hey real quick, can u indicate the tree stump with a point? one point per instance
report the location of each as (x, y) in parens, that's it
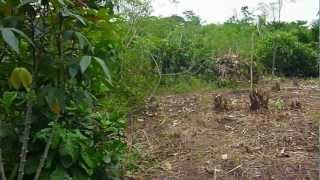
(220, 103)
(259, 100)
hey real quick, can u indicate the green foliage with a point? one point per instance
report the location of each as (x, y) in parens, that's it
(293, 58)
(52, 71)
(278, 104)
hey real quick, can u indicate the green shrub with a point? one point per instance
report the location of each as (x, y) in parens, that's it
(293, 58)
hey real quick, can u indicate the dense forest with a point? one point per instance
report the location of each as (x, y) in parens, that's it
(74, 73)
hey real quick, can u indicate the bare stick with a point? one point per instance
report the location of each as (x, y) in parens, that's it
(43, 157)
(160, 77)
(274, 54)
(25, 140)
(251, 62)
(234, 169)
(45, 153)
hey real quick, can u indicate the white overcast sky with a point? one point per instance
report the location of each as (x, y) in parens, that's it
(218, 11)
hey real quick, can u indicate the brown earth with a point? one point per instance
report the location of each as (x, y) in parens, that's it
(182, 137)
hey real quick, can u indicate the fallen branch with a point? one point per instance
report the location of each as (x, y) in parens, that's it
(234, 169)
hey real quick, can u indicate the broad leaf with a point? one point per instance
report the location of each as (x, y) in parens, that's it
(84, 63)
(14, 79)
(55, 99)
(9, 37)
(83, 41)
(104, 68)
(67, 13)
(22, 35)
(73, 71)
(25, 78)
(21, 76)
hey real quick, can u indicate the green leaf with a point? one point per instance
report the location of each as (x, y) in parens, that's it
(79, 18)
(86, 158)
(22, 35)
(58, 174)
(83, 41)
(88, 170)
(67, 13)
(84, 63)
(25, 2)
(9, 37)
(78, 175)
(7, 100)
(73, 71)
(25, 78)
(20, 76)
(61, 2)
(104, 68)
(14, 79)
(68, 153)
(55, 98)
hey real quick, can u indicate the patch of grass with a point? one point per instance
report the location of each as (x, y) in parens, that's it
(278, 104)
(190, 84)
(315, 117)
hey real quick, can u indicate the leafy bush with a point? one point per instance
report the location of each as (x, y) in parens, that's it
(49, 106)
(293, 58)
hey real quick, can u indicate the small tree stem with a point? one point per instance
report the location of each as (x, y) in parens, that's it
(45, 153)
(25, 140)
(251, 61)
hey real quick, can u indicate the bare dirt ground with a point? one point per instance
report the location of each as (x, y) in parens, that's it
(182, 137)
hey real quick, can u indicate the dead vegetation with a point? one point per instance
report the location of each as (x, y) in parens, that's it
(295, 82)
(259, 100)
(220, 103)
(295, 105)
(276, 87)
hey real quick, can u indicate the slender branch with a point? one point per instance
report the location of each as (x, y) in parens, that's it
(160, 77)
(45, 153)
(2, 53)
(25, 140)
(27, 123)
(274, 54)
(251, 61)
